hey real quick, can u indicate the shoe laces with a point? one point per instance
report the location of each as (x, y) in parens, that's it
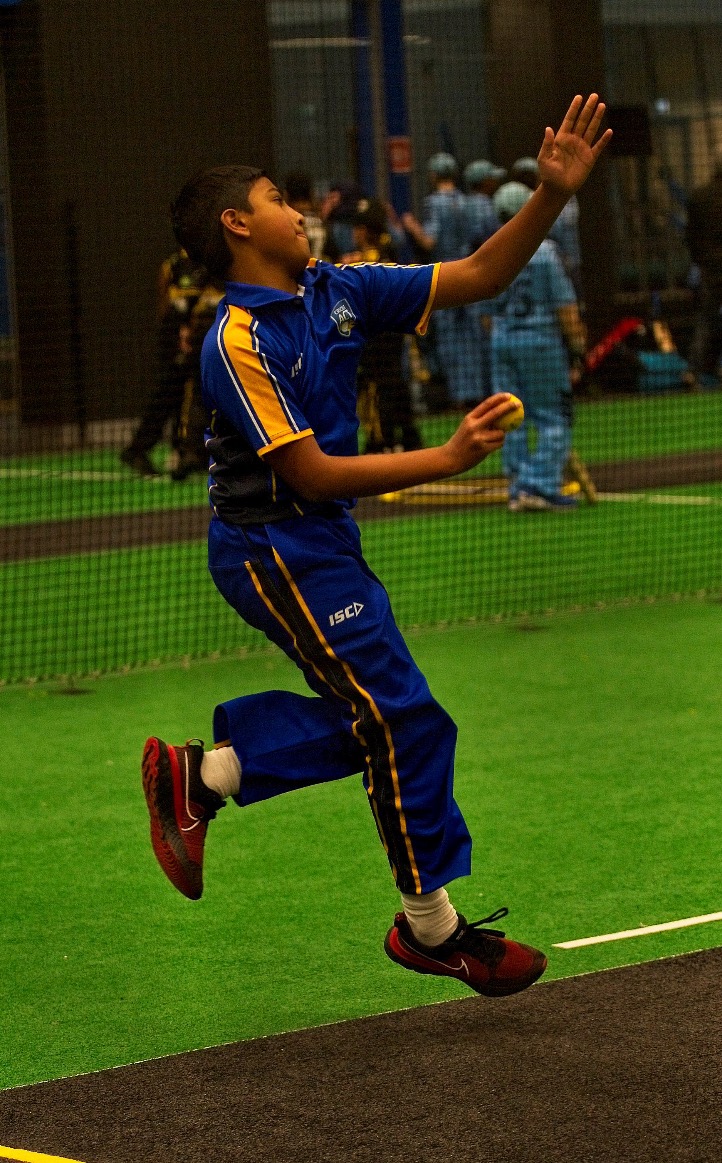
(473, 938)
(496, 916)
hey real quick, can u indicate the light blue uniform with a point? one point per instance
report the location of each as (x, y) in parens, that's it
(456, 330)
(529, 359)
(481, 217)
(482, 223)
(565, 233)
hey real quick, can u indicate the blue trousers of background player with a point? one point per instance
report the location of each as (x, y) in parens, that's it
(458, 338)
(477, 312)
(536, 370)
(305, 584)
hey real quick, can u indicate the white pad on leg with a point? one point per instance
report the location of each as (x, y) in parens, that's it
(431, 915)
(221, 771)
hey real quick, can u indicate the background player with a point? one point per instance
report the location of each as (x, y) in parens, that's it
(482, 181)
(445, 235)
(181, 282)
(565, 231)
(384, 396)
(536, 324)
(279, 371)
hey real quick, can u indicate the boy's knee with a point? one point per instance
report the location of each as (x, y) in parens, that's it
(429, 718)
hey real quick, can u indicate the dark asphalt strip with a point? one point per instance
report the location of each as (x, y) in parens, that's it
(616, 1067)
(43, 539)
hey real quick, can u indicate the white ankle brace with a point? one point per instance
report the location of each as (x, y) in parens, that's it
(221, 771)
(432, 916)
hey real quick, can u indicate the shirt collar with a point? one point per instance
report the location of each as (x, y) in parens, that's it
(250, 295)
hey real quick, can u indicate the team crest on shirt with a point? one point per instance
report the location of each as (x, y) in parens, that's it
(343, 317)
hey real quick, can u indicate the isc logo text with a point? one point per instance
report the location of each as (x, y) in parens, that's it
(351, 611)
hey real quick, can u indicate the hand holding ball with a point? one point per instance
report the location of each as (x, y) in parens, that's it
(513, 418)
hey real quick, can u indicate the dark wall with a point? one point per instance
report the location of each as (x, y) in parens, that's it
(521, 83)
(542, 53)
(42, 305)
(110, 108)
(580, 68)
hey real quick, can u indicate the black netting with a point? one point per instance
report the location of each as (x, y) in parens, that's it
(395, 129)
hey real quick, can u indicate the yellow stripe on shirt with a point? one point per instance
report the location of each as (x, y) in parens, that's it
(424, 320)
(258, 387)
(285, 439)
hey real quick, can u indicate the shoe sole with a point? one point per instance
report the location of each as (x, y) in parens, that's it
(538, 966)
(163, 795)
(541, 505)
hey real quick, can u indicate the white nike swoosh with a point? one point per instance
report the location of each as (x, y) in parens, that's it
(189, 813)
(463, 968)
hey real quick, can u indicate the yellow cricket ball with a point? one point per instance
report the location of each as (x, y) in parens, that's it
(513, 419)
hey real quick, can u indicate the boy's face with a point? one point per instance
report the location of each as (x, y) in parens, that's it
(275, 229)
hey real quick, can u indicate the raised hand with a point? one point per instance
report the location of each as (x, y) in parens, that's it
(567, 157)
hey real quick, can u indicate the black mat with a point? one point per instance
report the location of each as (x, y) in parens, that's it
(624, 1066)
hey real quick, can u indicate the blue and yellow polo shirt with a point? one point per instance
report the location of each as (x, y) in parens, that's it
(277, 367)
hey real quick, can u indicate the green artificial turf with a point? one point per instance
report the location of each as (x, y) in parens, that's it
(105, 611)
(622, 429)
(89, 483)
(588, 770)
(93, 483)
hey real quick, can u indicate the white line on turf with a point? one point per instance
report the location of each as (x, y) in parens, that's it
(70, 474)
(704, 920)
(660, 498)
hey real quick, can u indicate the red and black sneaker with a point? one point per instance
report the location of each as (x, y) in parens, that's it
(180, 807)
(483, 959)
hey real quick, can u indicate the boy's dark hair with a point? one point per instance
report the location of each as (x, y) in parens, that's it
(196, 213)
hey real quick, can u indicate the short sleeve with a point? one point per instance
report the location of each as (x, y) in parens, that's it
(397, 298)
(251, 387)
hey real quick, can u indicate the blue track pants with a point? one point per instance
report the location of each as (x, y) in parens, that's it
(305, 584)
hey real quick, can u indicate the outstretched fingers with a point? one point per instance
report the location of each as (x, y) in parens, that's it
(570, 120)
(584, 119)
(593, 127)
(587, 114)
(603, 142)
